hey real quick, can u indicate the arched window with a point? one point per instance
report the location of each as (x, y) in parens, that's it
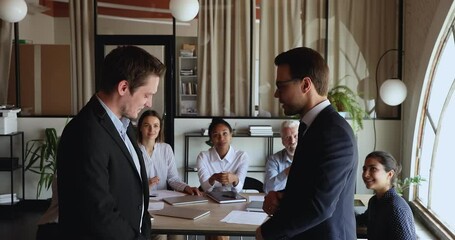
(435, 161)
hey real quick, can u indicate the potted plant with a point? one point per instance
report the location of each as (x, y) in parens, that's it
(41, 158)
(343, 99)
(407, 182)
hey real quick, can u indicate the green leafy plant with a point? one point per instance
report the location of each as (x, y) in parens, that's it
(407, 182)
(41, 158)
(343, 99)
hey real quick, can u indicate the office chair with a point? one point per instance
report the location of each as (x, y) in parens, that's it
(253, 184)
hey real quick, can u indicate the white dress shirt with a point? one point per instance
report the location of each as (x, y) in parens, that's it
(162, 164)
(209, 162)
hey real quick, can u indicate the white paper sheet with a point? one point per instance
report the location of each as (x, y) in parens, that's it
(160, 194)
(244, 217)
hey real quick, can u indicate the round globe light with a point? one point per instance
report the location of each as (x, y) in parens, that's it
(393, 92)
(13, 10)
(184, 10)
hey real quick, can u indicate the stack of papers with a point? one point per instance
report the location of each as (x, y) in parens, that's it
(260, 130)
(5, 199)
(158, 195)
(243, 217)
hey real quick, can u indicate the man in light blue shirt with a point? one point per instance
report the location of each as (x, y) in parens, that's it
(277, 166)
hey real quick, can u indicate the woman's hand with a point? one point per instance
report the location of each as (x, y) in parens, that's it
(154, 181)
(192, 191)
(224, 178)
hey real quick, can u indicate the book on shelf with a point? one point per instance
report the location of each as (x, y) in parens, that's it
(260, 127)
(186, 72)
(5, 199)
(189, 88)
(261, 133)
(7, 196)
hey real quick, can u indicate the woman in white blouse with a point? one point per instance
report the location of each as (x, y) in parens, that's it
(222, 167)
(159, 156)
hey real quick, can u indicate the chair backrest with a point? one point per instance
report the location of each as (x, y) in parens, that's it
(253, 184)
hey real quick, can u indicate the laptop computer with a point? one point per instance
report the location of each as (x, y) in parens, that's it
(186, 199)
(181, 212)
(226, 197)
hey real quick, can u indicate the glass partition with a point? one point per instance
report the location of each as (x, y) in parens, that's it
(224, 57)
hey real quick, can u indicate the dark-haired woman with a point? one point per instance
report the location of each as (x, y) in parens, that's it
(222, 167)
(388, 215)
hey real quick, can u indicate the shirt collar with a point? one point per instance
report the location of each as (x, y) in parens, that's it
(120, 124)
(229, 155)
(309, 117)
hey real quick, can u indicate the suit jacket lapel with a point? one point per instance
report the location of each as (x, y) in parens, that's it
(145, 184)
(106, 122)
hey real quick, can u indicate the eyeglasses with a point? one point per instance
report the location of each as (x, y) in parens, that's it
(281, 84)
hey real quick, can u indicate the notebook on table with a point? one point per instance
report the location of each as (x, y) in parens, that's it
(226, 197)
(186, 199)
(181, 212)
(255, 206)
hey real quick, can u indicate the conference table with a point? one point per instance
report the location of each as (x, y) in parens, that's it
(211, 224)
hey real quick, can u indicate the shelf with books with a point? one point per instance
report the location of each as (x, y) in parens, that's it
(188, 85)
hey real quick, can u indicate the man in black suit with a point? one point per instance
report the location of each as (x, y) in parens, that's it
(102, 182)
(318, 200)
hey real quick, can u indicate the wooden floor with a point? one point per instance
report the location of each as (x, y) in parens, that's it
(19, 223)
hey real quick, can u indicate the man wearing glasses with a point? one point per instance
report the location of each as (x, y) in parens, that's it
(317, 201)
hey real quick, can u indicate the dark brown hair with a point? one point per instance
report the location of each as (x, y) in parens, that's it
(150, 113)
(306, 62)
(129, 63)
(388, 161)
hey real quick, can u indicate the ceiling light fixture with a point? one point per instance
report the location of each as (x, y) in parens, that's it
(184, 10)
(13, 10)
(392, 91)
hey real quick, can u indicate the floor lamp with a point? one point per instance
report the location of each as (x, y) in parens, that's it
(14, 11)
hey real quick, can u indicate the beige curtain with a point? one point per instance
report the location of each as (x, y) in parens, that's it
(224, 50)
(82, 50)
(359, 33)
(285, 25)
(6, 39)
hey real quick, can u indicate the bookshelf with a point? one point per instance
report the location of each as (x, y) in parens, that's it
(187, 73)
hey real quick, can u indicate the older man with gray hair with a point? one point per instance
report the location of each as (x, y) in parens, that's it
(278, 164)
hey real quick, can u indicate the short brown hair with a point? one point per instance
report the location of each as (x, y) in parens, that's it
(306, 62)
(129, 63)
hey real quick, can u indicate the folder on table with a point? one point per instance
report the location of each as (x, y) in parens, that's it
(186, 199)
(226, 197)
(255, 206)
(181, 212)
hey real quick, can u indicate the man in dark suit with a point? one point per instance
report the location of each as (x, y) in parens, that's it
(102, 183)
(318, 200)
